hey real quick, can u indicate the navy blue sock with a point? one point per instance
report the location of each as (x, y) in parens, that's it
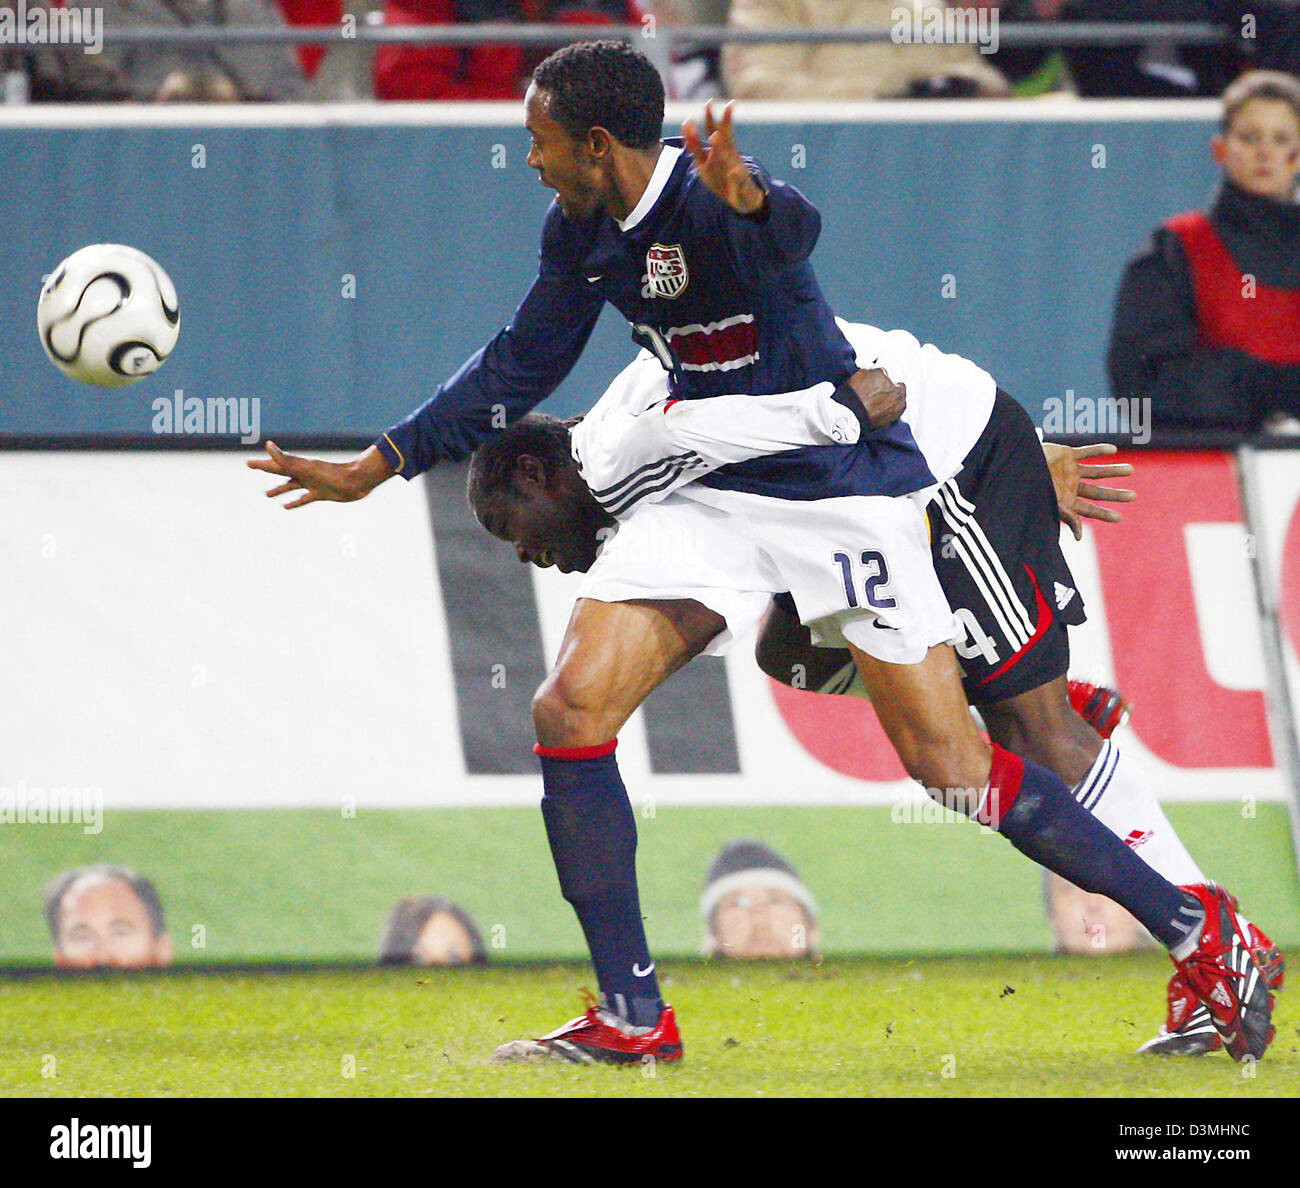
(1034, 810)
(592, 831)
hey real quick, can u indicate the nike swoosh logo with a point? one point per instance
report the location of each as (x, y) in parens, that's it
(643, 973)
(591, 280)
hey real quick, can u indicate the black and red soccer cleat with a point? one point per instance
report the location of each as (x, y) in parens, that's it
(1101, 707)
(1226, 980)
(1188, 1029)
(602, 1037)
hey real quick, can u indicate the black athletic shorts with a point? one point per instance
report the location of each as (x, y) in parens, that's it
(995, 536)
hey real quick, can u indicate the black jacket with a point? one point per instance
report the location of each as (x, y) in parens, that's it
(1154, 349)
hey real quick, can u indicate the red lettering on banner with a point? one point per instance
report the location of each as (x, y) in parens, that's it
(841, 732)
(1180, 712)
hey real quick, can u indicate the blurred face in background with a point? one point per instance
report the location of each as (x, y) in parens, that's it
(758, 921)
(1260, 151)
(1090, 924)
(103, 923)
(442, 941)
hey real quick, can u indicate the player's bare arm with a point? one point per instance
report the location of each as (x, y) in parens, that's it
(1074, 489)
(720, 164)
(318, 480)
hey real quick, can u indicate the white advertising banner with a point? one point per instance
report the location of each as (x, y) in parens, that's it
(175, 639)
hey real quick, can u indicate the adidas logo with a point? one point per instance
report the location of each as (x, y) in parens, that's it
(1063, 595)
(1137, 837)
(1220, 995)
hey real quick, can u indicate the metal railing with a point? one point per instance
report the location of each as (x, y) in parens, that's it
(658, 39)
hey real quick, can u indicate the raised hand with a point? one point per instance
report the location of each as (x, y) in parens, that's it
(334, 482)
(1072, 491)
(719, 162)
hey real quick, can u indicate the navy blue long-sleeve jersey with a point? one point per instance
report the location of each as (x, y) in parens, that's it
(728, 303)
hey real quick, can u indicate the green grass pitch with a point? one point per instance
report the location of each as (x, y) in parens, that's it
(906, 1027)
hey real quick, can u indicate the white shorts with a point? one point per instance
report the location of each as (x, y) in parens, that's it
(858, 568)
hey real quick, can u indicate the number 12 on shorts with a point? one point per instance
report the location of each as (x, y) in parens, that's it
(873, 561)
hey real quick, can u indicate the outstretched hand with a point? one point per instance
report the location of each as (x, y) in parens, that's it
(719, 163)
(335, 482)
(1073, 491)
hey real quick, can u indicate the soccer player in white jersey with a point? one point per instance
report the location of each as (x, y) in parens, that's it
(994, 544)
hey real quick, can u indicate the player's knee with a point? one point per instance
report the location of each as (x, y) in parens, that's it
(552, 713)
(955, 777)
(561, 719)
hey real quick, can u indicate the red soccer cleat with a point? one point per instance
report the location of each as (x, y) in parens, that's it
(1101, 707)
(1188, 1029)
(602, 1037)
(1223, 975)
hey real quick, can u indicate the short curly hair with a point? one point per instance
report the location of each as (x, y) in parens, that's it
(607, 84)
(492, 465)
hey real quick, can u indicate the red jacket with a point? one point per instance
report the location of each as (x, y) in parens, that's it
(312, 12)
(478, 71)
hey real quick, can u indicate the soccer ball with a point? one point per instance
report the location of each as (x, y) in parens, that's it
(108, 315)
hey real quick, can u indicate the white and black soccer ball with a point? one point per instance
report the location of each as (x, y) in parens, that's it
(108, 315)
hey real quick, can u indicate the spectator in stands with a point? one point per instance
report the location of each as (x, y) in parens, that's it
(1276, 44)
(755, 905)
(1207, 320)
(1089, 924)
(170, 72)
(846, 70)
(697, 69)
(478, 71)
(1159, 70)
(106, 917)
(196, 84)
(430, 930)
(308, 13)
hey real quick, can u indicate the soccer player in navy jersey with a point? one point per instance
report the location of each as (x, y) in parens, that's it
(707, 256)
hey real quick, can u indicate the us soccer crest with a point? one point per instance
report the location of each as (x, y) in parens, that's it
(665, 271)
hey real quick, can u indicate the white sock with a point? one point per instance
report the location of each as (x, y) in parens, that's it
(1117, 792)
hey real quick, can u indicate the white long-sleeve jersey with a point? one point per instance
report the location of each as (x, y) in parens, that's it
(637, 446)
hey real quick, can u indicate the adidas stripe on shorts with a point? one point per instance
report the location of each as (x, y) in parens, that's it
(996, 544)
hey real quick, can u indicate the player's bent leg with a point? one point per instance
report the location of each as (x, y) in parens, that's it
(784, 651)
(613, 655)
(924, 713)
(922, 710)
(1041, 725)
